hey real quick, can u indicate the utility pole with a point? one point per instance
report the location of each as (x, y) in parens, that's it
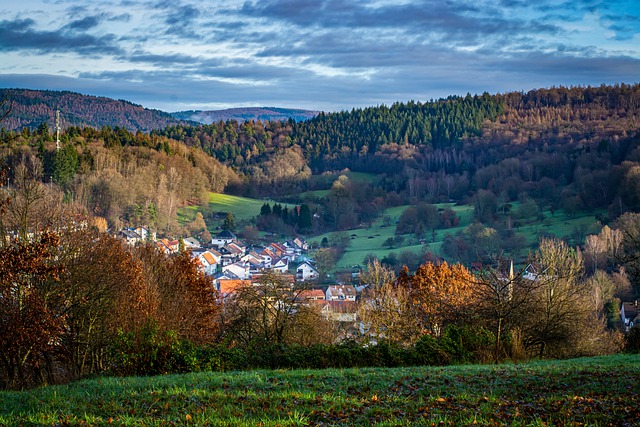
(57, 129)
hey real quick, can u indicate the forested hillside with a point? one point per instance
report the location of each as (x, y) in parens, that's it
(31, 108)
(512, 156)
(571, 148)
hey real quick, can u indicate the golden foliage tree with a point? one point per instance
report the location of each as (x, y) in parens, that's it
(441, 294)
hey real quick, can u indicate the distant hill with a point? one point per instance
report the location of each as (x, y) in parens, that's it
(31, 108)
(243, 114)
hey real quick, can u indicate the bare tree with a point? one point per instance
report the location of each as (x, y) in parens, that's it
(503, 295)
(263, 312)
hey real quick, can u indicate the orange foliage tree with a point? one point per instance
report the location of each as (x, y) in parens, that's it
(441, 294)
(29, 310)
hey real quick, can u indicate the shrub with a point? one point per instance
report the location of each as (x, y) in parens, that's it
(151, 352)
(633, 340)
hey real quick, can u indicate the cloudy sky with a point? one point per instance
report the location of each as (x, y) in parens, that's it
(316, 54)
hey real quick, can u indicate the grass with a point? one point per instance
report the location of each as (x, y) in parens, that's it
(243, 208)
(598, 391)
(364, 241)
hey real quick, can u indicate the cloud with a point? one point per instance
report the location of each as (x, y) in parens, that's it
(20, 34)
(327, 54)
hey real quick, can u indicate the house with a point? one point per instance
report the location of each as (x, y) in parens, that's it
(339, 311)
(252, 257)
(311, 295)
(301, 244)
(629, 314)
(235, 249)
(146, 234)
(228, 287)
(306, 271)
(239, 269)
(191, 242)
(340, 293)
(162, 247)
(209, 263)
(281, 265)
(130, 236)
(229, 255)
(278, 249)
(267, 257)
(223, 238)
(239, 246)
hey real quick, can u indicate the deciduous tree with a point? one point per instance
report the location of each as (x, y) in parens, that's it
(442, 294)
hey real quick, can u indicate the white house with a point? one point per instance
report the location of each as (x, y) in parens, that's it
(208, 262)
(130, 236)
(281, 265)
(223, 238)
(306, 271)
(241, 270)
(146, 234)
(340, 293)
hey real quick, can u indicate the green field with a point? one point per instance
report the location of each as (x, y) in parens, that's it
(369, 240)
(602, 391)
(365, 241)
(243, 208)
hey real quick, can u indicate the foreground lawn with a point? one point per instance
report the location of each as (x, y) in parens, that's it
(601, 391)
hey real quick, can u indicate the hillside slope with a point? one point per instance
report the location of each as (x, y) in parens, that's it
(31, 108)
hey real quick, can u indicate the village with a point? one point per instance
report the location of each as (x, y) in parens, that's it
(233, 264)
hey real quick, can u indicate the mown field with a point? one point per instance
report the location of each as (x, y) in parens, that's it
(602, 391)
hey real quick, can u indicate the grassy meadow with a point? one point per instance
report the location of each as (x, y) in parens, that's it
(601, 391)
(370, 239)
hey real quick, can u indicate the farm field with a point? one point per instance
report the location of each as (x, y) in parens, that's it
(599, 391)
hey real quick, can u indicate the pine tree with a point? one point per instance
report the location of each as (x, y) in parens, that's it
(229, 222)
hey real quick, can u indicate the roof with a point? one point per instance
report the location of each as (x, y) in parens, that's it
(234, 248)
(278, 247)
(208, 256)
(192, 241)
(342, 289)
(225, 234)
(311, 294)
(130, 234)
(229, 286)
(308, 263)
(339, 306)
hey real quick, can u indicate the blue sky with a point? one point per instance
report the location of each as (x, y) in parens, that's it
(316, 54)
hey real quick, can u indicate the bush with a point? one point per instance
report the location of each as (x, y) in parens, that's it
(633, 340)
(151, 352)
(429, 351)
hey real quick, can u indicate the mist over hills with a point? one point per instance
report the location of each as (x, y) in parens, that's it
(246, 114)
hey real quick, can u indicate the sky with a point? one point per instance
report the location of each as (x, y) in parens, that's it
(328, 55)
